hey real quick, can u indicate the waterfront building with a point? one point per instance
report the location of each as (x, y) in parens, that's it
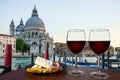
(7, 39)
(87, 51)
(61, 48)
(33, 33)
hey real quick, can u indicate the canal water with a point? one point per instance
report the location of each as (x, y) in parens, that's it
(16, 62)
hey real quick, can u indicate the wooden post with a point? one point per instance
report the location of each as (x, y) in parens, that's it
(8, 57)
(108, 62)
(53, 56)
(32, 58)
(46, 55)
(103, 61)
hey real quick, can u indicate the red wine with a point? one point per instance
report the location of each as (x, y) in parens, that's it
(75, 46)
(99, 47)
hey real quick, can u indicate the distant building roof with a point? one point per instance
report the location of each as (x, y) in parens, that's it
(6, 35)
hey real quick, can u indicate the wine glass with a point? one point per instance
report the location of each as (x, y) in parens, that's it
(99, 41)
(76, 42)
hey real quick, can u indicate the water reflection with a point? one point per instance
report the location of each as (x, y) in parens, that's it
(16, 62)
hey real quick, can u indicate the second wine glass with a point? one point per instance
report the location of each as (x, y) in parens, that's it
(99, 41)
(76, 42)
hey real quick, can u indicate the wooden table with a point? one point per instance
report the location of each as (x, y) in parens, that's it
(21, 74)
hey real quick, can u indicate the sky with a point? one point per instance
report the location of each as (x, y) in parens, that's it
(61, 15)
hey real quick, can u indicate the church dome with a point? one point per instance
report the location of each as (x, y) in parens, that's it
(34, 21)
(20, 27)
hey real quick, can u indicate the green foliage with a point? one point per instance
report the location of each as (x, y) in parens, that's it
(21, 46)
(117, 49)
(25, 47)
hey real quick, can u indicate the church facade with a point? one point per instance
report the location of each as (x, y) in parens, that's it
(33, 33)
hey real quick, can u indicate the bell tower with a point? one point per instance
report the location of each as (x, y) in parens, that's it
(12, 28)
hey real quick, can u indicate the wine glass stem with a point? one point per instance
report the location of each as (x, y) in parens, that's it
(76, 61)
(98, 64)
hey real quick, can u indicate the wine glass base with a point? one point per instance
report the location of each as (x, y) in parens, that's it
(99, 75)
(76, 72)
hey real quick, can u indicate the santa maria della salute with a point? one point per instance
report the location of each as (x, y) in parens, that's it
(33, 33)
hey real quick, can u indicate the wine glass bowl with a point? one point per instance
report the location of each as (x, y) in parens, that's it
(99, 47)
(99, 41)
(76, 41)
(75, 46)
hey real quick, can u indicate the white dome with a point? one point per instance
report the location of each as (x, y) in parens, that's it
(34, 21)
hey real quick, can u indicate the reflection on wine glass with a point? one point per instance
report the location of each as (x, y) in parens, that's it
(99, 41)
(76, 42)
